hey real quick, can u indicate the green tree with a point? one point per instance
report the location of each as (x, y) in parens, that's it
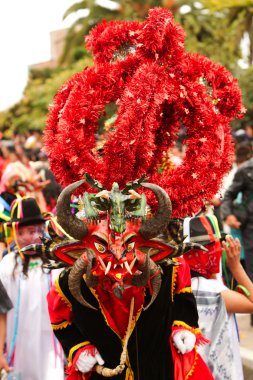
(239, 13)
(210, 30)
(74, 43)
(31, 111)
(245, 82)
(124, 9)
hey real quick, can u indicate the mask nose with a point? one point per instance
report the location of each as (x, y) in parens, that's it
(117, 251)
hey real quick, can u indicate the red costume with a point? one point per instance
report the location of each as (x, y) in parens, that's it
(126, 295)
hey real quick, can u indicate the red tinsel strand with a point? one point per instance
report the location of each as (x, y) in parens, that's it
(157, 87)
(161, 38)
(105, 39)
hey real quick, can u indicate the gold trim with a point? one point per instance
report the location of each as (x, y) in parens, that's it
(190, 373)
(133, 324)
(190, 328)
(93, 291)
(61, 294)
(173, 280)
(61, 325)
(75, 348)
(187, 289)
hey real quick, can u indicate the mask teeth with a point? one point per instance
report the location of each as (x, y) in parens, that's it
(132, 263)
(128, 267)
(102, 263)
(108, 267)
(118, 265)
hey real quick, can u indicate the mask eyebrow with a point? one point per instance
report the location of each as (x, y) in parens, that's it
(101, 237)
(128, 237)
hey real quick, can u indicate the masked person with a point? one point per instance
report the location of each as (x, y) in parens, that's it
(126, 298)
(116, 311)
(31, 349)
(216, 303)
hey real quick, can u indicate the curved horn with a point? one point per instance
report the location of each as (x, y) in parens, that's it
(156, 282)
(150, 271)
(74, 281)
(91, 280)
(142, 279)
(73, 226)
(153, 227)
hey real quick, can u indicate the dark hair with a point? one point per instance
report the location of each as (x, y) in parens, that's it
(25, 263)
(243, 152)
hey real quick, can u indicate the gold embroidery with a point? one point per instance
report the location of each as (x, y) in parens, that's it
(190, 373)
(61, 325)
(61, 294)
(173, 280)
(183, 324)
(187, 289)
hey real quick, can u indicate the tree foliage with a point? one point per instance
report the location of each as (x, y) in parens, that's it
(213, 28)
(31, 111)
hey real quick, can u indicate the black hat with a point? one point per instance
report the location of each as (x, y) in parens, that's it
(25, 212)
(202, 229)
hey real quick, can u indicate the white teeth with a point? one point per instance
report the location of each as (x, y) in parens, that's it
(125, 264)
(132, 263)
(108, 267)
(128, 267)
(102, 262)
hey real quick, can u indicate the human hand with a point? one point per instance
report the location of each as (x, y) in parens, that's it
(215, 202)
(4, 364)
(87, 360)
(232, 248)
(233, 222)
(184, 341)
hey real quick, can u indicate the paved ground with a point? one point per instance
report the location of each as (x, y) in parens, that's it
(246, 344)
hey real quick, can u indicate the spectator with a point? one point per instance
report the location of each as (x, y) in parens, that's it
(249, 132)
(5, 306)
(242, 183)
(31, 348)
(216, 303)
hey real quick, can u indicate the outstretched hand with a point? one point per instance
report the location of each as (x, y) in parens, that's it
(4, 364)
(232, 248)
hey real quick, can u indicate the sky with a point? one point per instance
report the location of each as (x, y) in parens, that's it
(25, 27)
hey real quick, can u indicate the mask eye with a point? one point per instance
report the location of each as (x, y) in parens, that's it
(130, 246)
(101, 248)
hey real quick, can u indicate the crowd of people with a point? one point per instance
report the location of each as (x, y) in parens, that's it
(128, 279)
(28, 200)
(28, 197)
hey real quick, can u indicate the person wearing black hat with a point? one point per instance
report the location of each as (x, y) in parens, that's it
(31, 351)
(215, 302)
(23, 212)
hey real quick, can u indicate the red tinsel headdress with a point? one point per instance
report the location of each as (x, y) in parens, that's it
(143, 68)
